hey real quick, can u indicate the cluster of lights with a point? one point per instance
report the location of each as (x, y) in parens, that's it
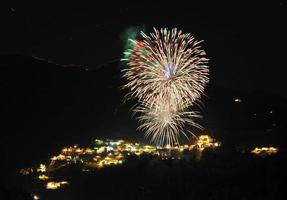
(115, 152)
(43, 177)
(26, 171)
(69, 154)
(108, 153)
(55, 185)
(205, 141)
(42, 168)
(265, 151)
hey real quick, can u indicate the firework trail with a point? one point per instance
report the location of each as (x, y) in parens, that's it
(167, 72)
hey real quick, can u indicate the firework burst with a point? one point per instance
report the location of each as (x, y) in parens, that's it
(167, 72)
(163, 123)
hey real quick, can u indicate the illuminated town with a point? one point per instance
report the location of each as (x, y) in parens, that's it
(106, 153)
(109, 153)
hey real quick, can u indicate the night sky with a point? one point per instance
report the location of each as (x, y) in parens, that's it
(246, 42)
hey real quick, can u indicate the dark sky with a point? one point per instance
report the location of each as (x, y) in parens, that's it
(245, 42)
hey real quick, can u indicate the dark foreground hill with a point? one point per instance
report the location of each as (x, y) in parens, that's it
(47, 106)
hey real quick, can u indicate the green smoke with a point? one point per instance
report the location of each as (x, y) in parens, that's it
(129, 35)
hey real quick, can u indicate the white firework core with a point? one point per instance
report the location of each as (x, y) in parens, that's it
(169, 69)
